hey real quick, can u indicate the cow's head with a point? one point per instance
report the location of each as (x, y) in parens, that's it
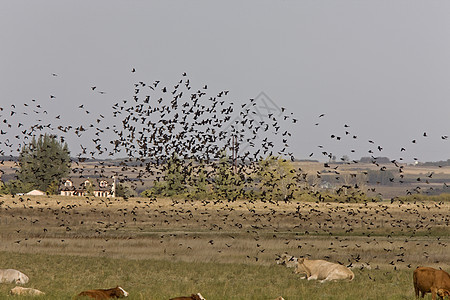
(16, 291)
(278, 259)
(120, 292)
(300, 267)
(443, 292)
(22, 279)
(197, 296)
(286, 260)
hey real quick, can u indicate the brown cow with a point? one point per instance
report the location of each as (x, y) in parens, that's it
(430, 280)
(116, 292)
(197, 296)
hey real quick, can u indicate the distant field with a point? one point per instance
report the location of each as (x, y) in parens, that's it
(160, 249)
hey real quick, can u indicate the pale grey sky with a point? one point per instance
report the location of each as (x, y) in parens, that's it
(380, 67)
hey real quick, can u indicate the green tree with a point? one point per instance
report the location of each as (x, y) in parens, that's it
(43, 163)
(89, 187)
(125, 191)
(277, 178)
(227, 184)
(16, 186)
(3, 188)
(198, 181)
(53, 187)
(175, 182)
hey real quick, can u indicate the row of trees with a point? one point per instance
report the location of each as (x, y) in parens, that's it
(45, 161)
(271, 178)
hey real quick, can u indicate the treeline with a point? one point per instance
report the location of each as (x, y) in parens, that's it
(44, 161)
(439, 197)
(441, 163)
(272, 179)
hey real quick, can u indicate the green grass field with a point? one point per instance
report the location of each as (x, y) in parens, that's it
(62, 277)
(166, 248)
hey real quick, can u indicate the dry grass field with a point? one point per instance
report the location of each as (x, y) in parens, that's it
(217, 247)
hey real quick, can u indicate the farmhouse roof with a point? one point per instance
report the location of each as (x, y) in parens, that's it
(35, 193)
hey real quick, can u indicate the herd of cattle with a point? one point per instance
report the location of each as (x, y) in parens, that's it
(425, 279)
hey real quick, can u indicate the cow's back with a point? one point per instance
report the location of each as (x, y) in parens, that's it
(340, 271)
(12, 275)
(5, 275)
(94, 294)
(324, 268)
(442, 280)
(116, 292)
(423, 278)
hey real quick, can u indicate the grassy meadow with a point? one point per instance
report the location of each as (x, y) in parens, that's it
(61, 277)
(157, 249)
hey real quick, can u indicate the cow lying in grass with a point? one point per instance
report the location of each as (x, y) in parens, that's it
(322, 270)
(116, 292)
(13, 276)
(21, 291)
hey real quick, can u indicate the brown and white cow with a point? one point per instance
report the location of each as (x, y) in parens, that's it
(21, 291)
(430, 280)
(197, 296)
(323, 270)
(116, 292)
(13, 276)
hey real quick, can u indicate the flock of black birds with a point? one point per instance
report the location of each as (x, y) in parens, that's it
(158, 123)
(161, 121)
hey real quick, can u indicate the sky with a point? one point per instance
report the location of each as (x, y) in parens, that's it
(379, 70)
